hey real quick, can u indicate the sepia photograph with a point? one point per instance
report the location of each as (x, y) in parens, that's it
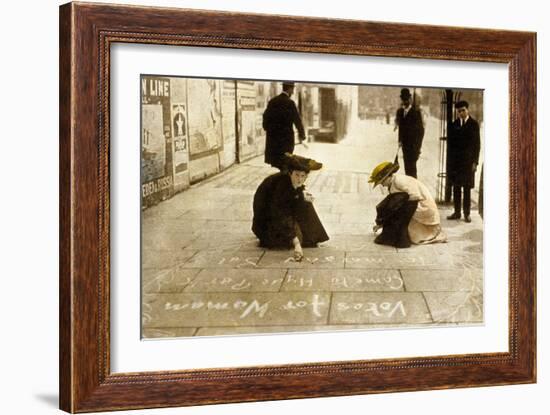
(276, 206)
(256, 206)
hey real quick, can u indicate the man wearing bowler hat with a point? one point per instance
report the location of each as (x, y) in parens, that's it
(279, 118)
(411, 131)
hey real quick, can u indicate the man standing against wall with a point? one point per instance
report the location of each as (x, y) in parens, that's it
(463, 155)
(411, 131)
(279, 118)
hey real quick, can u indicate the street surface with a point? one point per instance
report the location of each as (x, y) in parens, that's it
(203, 273)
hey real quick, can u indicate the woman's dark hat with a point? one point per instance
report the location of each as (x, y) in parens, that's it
(294, 162)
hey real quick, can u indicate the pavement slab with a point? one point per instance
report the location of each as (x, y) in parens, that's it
(220, 331)
(235, 309)
(159, 259)
(349, 228)
(164, 239)
(356, 243)
(237, 280)
(168, 332)
(453, 248)
(443, 280)
(157, 227)
(468, 260)
(224, 259)
(348, 280)
(221, 241)
(311, 260)
(397, 260)
(456, 307)
(216, 213)
(379, 308)
(212, 228)
(172, 280)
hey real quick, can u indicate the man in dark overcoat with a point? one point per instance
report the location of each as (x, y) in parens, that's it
(279, 118)
(462, 158)
(411, 131)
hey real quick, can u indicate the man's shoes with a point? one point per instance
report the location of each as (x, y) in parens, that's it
(467, 218)
(454, 216)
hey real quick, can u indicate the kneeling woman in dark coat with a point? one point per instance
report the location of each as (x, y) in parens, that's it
(284, 216)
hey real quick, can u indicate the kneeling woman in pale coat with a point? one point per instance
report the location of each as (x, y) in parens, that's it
(409, 213)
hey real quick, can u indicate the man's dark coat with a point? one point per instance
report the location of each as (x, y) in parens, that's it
(411, 132)
(281, 214)
(462, 152)
(279, 117)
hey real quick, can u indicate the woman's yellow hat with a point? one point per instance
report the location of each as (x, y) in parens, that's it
(383, 170)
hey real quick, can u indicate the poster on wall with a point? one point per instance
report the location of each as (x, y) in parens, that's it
(228, 123)
(246, 107)
(156, 145)
(262, 98)
(153, 143)
(179, 128)
(205, 129)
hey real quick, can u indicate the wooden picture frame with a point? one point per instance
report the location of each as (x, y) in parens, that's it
(86, 33)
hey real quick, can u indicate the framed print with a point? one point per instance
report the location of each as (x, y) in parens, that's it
(261, 207)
